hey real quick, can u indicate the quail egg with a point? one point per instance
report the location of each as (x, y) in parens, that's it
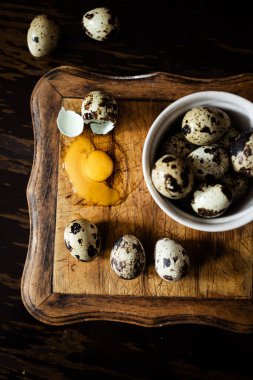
(128, 257)
(171, 261)
(205, 125)
(209, 162)
(100, 24)
(177, 145)
(42, 36)
(100, 111)
(237, 183)
(229, 137)
(172, 177)
(211, 200)
(82, 239)
(242, 154)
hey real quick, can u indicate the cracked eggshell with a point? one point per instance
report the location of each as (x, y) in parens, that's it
(177, 145)
(128, 258)
(171, 261)
(211, 200)
(172, 177)
(205, 125)
(100, 111)
(209, 162)
(42, 36)
(100, 24)
(69, 123)
(82, 239)
(241, 152)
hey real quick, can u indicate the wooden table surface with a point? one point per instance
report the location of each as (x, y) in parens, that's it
(198, 38)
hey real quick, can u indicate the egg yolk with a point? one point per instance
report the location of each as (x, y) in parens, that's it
(98, 166)
(87, 170)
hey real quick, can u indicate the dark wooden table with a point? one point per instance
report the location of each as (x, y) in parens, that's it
(198, 38)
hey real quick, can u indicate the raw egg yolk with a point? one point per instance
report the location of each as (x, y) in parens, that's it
(85, 167)
(98, 166)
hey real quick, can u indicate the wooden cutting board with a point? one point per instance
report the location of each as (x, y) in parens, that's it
(58, 289)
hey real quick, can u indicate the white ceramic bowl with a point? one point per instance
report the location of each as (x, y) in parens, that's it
(241, 112)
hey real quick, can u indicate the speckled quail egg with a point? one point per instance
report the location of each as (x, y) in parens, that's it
(237, 183)
(205, 125)
(171, 261)
(242, 154)
(177, 145)
(211, 200)
(209, 162)
(100, 24)
(82, 239)
(229, 137)
(42, 36)
(128, 257)
(100, 111)
(172, 177)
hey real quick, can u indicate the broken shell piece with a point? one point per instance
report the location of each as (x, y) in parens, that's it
(69, 123)
(102, 128)
(100, 111)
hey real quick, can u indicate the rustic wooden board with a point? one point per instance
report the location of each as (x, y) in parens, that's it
(56, 288)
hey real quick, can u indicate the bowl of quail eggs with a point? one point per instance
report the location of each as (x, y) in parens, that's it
(198, 161)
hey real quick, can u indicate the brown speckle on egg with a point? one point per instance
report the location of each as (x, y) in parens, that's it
(171, 261)
(209, 162)
(205, 125)
(42, 36)
(89, 16)
(100, 111)
(68, 245)
(172, 177)
(75, 228)
(241, 152)
(81, 240)
(127, 257)
(92, 251)
(168, 159)
(100, 24)
(166, 263)
(177, 145)
(211, 200)
(186, 129)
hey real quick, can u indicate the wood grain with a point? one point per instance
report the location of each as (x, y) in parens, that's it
(220, 282)
(192, 39)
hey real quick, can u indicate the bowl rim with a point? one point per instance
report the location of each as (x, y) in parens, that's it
(220, 224)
